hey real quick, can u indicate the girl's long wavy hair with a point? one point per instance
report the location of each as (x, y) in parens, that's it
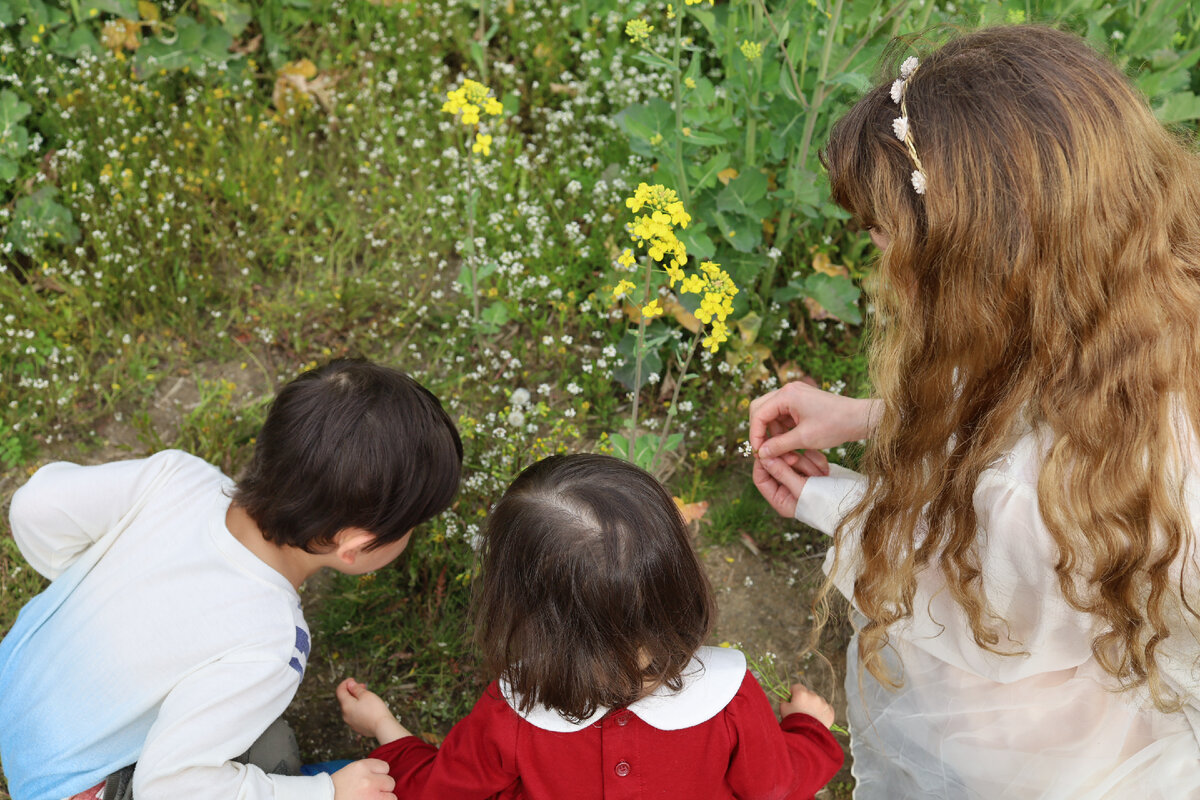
(1049, 278)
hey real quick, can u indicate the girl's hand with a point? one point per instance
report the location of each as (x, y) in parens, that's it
(364, 780)
(781, 480)
(808, 702)
(367, 714)
(798, 416)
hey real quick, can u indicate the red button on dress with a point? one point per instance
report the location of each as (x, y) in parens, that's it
(623, 718)
(622, 769)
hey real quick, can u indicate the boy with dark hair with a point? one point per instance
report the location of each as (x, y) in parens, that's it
(171, 634)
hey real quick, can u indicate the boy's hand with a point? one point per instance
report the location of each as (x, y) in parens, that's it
(807, 702)
(367, 714)
(363, 780)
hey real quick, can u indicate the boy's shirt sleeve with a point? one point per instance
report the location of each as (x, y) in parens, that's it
(476, 760)
(212, 716)
(791, 759)
(65, 508)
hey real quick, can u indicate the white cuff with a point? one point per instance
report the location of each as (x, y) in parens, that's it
(303, 787)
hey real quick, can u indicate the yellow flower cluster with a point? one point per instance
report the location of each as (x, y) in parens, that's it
(751, 50)
(660, 213)
(471, 99)
(655, 229)
(638, 30)
(718, 290)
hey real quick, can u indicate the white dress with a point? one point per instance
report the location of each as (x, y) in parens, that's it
(971, 724)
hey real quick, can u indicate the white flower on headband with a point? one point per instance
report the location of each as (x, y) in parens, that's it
(900, 127)
(897, 90)
(909, 67)
(918, 181)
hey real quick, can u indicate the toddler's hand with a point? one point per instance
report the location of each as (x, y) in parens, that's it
(808, 702)
(367, 714)
(363, 780)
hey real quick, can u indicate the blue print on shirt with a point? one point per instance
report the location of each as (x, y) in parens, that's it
(302, 647)
(302, 643)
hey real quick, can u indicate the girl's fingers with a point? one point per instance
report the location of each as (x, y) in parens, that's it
(811, 463)
(785, 476)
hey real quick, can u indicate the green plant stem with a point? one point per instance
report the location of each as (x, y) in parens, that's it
(472, 266)
(673, 409)
(676, 83)
(787, 59)
(637, 370)
(480, 37)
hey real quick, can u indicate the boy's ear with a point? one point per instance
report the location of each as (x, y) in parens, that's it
(350, 543)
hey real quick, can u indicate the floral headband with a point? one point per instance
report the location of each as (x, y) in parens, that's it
(900, 124)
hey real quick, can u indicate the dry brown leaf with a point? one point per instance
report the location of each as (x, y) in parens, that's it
(816, 311)
(789, 371)
(692, 512)
(297, 85)
(562, 88)
(245, 48)
(726, 175)
(823, 264)
(750, 544)
(684, 317)
(120, 33)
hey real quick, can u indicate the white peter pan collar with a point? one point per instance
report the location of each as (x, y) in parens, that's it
(710, 681)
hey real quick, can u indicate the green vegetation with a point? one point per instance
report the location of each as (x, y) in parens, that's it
(190, 189)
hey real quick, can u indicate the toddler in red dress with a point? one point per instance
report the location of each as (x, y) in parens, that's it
(592, 608)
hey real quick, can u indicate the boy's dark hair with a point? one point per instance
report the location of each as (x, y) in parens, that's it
(590, 591)
(350, 444)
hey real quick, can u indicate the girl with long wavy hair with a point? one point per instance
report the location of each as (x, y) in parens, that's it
(1020, 548)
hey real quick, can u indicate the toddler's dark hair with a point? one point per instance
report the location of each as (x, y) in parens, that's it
(350, 444)
(590, 590)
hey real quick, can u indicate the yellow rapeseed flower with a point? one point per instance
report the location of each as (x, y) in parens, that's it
(623, 289)
(751, 50)
(483, 144)
(638, 30)
(653, 309)
(626, 259)
(469, 100)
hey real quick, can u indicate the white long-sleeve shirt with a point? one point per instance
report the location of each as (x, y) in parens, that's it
(161, 640)
(969, 724)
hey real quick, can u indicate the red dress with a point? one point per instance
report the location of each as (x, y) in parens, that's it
(718, 738)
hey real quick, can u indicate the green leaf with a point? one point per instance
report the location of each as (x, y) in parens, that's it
(125, 9)
(701, 138)
(234, 16)
(8, 169)
(696, 240)
(1178, 107)
(14, 142)
(837, 295)
(12, 110)
(653, 59)
(495, 315)
(39, 221)
(742, 193)
(741, 233)
(80, 40)
(705, 175)
(651, 362)
(7, 17)
(855, 80)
